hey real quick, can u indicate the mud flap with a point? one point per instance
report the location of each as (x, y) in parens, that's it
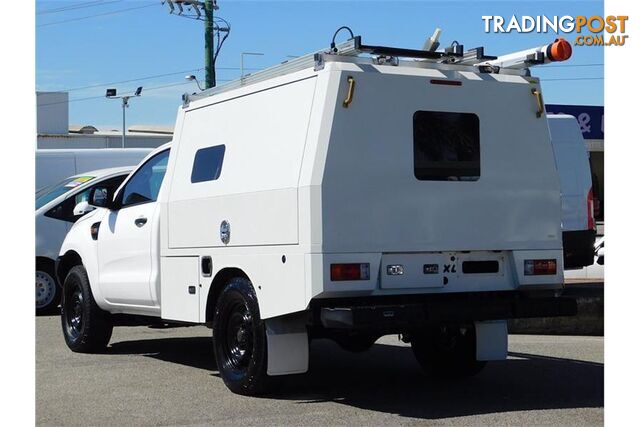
(491, 340)
(287, 345)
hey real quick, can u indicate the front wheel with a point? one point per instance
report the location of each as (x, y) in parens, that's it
(86, 327)
(239, 339)
(447, 351)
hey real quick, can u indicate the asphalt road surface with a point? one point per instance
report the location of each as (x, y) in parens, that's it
(168, 377)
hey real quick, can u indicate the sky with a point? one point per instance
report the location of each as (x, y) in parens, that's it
(139, 40)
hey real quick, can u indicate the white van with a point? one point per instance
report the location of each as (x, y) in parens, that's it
(593, 273)
(55, 214)
(53, 165)
(347, 194)
(572, 161)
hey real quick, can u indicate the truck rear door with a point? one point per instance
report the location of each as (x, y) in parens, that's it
(433, 161)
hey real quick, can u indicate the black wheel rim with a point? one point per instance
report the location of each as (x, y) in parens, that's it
(237, 342)
(73, 313)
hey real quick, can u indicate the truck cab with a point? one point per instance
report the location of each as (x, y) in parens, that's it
(343, 195)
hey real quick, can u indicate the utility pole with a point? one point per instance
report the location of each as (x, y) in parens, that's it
(202, 10)
(210, 76)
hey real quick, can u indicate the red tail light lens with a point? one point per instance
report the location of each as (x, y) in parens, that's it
(340, 272)
(540, 267)
(591, 223)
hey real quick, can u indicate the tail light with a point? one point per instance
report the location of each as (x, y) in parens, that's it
(540, 267)
(591, 223)
(340, 272)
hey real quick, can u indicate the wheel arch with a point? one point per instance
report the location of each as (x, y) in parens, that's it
(65, 263)
(221, 278)
(47, 264)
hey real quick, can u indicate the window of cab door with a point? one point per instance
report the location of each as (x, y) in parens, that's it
(144, 185)
(64, 210)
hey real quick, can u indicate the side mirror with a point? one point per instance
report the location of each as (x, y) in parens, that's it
(600, 255)
(101, 197)
(82, 208)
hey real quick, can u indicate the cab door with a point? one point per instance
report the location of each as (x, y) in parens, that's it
(124, 240)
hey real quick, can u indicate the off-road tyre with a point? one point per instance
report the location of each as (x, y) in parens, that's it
(239, 339)
(85, 326)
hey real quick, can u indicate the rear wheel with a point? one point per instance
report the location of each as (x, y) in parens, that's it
(47, 290)
(86, 327)
(447, 351)
(239, 339)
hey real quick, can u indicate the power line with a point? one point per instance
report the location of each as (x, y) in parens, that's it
(113, 12)
(572, 65)
(572, 78)
(78, 6)
(102, 96)
(137, 79)
(131, 80)
(184, 83)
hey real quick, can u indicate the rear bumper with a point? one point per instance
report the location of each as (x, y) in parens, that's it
(578, 248)
(389, 316)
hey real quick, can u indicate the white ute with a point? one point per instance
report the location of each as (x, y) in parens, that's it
(347, 194)
(58, 206)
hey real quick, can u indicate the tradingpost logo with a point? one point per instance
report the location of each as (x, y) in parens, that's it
(593, 30)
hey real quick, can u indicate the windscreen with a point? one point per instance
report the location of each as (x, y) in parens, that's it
(47, 194)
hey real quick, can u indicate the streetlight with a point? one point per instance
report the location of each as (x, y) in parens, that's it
(193, 78)
(242, 61)
(111, 94)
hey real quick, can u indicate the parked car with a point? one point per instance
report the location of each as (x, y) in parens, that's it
(336, 196)
(578, 209)
(592, 273)
(53, 165)
(54, 217)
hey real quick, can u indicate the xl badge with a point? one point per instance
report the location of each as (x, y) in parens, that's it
(430, 269)
(225, 232)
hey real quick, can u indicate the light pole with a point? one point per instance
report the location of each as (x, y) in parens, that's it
(242, 61)
(193, 78)
(111, 94)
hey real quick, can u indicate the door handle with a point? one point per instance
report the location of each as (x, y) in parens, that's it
(349, 98)
(535, 92)
(140, 221)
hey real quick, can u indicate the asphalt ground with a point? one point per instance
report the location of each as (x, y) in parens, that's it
(168, 377)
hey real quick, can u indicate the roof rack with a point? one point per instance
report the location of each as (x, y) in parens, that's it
(351, 47)
(559, 50)
(399, 52)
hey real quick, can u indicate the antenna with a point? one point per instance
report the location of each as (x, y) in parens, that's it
(432, 43)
